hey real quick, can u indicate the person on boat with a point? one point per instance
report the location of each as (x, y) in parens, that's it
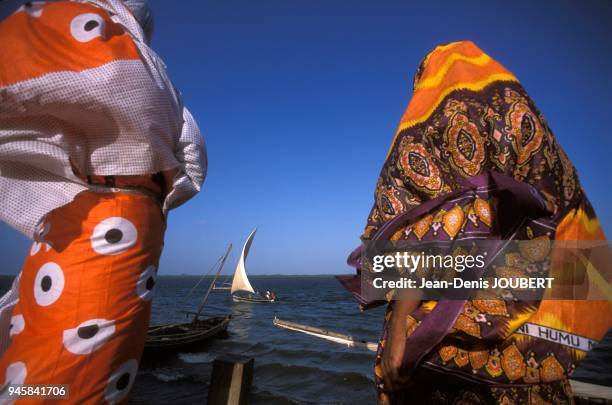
(96, 147)
(267, 295)
(473, 155)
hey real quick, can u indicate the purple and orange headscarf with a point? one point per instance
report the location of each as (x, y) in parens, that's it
(471, 122)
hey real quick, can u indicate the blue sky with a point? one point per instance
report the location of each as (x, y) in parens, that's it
(299, 100)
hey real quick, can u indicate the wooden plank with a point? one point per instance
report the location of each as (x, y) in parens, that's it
(230, 383)
(592, 391)
(584, 393)
(325, 334)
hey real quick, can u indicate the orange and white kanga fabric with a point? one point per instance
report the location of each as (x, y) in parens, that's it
(81, 91)
(82, 94)
(85, 298)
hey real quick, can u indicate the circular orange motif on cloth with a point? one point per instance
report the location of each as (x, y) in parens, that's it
(524, 128)
(417, 164)
(453, 221)
(535, 250)
(465, 144)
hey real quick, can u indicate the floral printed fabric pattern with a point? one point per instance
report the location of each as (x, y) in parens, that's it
(428, 389)
(467, 135)
(470, 116)
(85, 298)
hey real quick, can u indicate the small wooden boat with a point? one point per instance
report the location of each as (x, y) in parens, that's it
(179, 336)
(185, 335)
(242, 290)
(252, 298)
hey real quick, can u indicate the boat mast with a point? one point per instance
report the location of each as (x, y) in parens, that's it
(212, 284)
(203, 277)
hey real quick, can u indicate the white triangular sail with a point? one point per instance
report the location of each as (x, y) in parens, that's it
(241, 281)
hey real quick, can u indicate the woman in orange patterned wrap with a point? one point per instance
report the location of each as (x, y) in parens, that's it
(85, 297)
(95, 148)
(471, 122)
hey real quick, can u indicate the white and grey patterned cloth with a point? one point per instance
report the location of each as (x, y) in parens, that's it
(120, 118)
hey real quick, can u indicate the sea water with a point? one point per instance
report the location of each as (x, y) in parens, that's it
(290, 367)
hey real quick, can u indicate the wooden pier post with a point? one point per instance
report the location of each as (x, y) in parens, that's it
(230, 383)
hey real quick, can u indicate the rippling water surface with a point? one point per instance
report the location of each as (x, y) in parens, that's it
(290, 367)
